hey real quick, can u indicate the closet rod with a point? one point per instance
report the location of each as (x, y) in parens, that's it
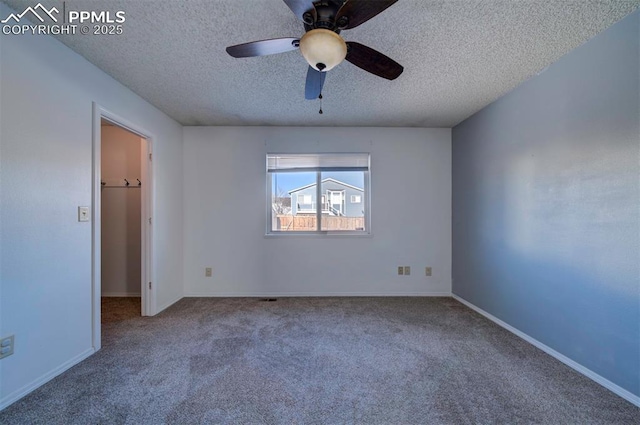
(125, 185)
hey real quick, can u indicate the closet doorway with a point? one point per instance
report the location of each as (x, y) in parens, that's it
(122, 219)
(121, 227)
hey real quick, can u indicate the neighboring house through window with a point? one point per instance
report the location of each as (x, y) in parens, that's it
(340, 181)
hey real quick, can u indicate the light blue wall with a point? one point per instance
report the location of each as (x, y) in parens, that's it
(46, 98)
(546, 208)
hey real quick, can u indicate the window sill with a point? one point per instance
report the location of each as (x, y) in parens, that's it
(325, 234)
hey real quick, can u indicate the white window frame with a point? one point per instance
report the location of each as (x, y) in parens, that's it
(356, 199)
(342, 159)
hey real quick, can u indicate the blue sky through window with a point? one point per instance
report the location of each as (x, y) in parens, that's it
(282, 183)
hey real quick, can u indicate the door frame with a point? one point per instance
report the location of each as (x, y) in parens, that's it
(148, 302)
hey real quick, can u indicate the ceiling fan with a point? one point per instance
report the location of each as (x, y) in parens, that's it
(322, 46)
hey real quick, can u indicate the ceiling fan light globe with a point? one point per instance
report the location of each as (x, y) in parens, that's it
(324, 47)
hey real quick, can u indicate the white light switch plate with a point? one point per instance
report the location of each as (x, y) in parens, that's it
(83, 214)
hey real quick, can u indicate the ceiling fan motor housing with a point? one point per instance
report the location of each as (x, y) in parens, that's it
(323, 15)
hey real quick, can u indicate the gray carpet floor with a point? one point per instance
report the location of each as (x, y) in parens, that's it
(315, 361)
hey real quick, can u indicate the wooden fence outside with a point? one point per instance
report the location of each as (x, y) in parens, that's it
(301, 223)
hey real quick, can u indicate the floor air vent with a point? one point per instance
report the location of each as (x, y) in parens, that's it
(269, 300)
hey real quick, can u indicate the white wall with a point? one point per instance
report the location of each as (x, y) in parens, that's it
(120, 213)
(45, 172)
(224, 215)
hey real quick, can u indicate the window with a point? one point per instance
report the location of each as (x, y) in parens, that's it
(304, 199)
(295, 183)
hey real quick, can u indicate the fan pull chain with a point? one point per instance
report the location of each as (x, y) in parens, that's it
(320, 97)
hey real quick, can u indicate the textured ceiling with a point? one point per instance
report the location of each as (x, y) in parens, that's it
(459, 56)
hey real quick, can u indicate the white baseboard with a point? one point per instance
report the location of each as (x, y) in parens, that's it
(17, 395)
(616, 389)
(314, 294)
(120, 294)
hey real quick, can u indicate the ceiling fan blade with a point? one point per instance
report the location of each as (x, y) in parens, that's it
(300, 7)
(315, 81)
(360, 11)
(373, 61)
(263, 47)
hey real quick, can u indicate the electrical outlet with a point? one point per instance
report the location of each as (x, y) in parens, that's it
(427, 271)
(400, 270)
(407, 270)
(6, 346)
(208, 272)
